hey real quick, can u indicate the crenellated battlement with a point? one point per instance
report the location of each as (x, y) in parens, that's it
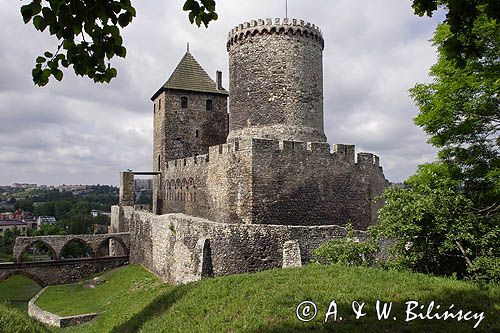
(367, 159)
(340, 152)
(276, 26)
(188, 161)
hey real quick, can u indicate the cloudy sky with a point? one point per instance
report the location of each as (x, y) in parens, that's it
(76, 131)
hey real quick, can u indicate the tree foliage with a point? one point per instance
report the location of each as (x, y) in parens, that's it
(447, 218)
(90, 34)
(463, 42)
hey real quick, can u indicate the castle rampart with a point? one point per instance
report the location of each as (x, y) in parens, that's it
(262, 181)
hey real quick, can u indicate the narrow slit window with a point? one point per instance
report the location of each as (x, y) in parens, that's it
(196, 133)
(209, 105)
(184, 102)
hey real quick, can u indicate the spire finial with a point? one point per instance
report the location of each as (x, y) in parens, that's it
(187, 46)
(286, 8)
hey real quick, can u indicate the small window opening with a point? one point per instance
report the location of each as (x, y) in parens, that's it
(209, 105)
(184, 102)
(196, 133)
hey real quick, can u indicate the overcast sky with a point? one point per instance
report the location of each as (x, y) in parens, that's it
(76, 131)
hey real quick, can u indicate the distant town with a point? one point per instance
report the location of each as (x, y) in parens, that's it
(35, 209)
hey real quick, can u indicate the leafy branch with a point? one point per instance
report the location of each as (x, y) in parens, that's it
(89, 34)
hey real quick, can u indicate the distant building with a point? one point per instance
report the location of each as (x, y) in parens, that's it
(23, 186)
(41, 220)
(96, 213)
(13, 225)
(6, 205)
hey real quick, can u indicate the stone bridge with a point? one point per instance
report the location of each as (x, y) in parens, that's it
(47, 273)
(55, 244)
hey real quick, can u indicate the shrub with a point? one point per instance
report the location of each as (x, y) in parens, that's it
(349, 251)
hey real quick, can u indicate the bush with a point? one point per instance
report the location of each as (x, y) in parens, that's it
(348, 251)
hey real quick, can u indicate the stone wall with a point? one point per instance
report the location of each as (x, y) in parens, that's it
(52, 319)
(276, 81)
(61, 272)
(263, 181)
(181, 248)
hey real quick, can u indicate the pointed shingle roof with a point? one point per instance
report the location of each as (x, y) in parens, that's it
(190, 76)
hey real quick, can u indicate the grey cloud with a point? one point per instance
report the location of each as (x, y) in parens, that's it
(80, 132)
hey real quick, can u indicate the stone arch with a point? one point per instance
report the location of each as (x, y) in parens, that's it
(80, 241)
(55, 254)
(30, 276)
(105, 242)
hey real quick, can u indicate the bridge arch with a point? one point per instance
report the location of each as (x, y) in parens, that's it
(80, 241)
(29, 275)
(55, 254)
(105, 242)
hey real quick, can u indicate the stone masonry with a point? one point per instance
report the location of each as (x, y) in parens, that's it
(257, 188)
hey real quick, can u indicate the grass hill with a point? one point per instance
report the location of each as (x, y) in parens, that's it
(134, 300)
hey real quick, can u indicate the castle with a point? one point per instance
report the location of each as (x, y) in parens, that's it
(256, 187)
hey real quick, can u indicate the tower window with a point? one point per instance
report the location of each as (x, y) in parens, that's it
(209, 105)
(159, 104)
(154, 108)
(196, 133)
(184, 102)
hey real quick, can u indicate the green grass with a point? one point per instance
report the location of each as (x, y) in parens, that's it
(134, 300)
(123, 298)
(16, 321)
(5, 257)
(17, 291)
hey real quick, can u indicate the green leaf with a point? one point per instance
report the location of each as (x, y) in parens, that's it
(39, 23)
(27, 13)
(40, 60)
(58, 74)
(48, 54)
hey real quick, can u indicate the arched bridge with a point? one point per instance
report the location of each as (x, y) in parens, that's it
(107, 251)
(55, 244)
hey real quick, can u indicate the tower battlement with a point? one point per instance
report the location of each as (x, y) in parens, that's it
(340, 153)
(276, 26)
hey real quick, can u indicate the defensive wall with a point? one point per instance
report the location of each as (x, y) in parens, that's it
(261, 181)
(180, 248)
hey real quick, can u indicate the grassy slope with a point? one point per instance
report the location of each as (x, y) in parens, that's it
(17, 291)
(15, 321)
(126, 295)
(266, 301)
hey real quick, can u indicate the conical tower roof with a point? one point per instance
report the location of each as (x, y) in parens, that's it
(190, 76)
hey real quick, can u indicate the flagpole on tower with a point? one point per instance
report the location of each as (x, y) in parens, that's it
(286, 8)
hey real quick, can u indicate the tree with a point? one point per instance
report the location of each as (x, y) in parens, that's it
(447, 218)
(462, 42)
(460, 110)
(89, 34)
(24, 205)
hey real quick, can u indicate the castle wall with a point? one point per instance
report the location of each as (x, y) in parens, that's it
(300, 183)
(276, 81)
(216, 186)
(177, 247)
(262, 181)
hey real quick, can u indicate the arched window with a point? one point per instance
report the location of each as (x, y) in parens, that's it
(184, 102)
(209, 105)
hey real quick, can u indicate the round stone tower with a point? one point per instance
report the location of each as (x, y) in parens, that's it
(276, 81)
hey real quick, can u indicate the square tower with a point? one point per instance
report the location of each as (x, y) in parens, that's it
(190, 115)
